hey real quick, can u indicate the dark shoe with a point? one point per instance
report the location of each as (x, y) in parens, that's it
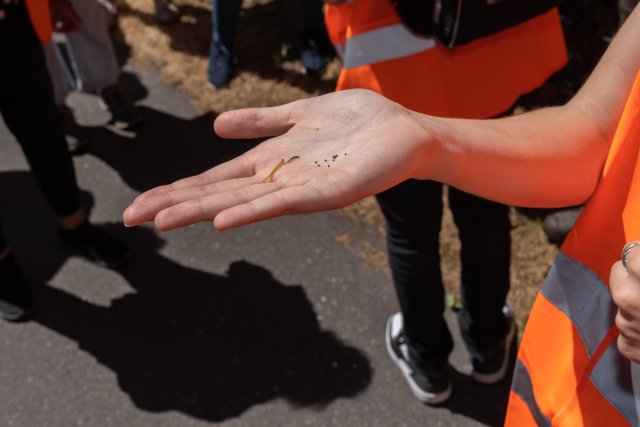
(96, 245)
(76, 137)
(493, 370)
(558, 224)
(315, 54)
(220, 65)
(433, 387)
(166, 12)
(16, 302)
(124, 115)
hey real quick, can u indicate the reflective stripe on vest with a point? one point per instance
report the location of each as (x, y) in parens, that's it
(383, 44)
(580, 294)
(569, 370)
(40, 18)
(522, 387)
(583, 297)
(478, 80)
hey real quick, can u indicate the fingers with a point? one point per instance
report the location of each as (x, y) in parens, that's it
(628, 348)
(207, 208)
(258, 122)
(237, 168)
(625, 292)
(288, 200)
(146, 209)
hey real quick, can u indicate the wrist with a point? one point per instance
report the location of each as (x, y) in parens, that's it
(427, 145)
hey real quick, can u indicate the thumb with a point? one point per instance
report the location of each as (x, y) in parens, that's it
(258, 122)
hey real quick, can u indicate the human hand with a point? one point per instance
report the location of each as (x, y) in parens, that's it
(625, 292)
(332, 150)
(64, 17)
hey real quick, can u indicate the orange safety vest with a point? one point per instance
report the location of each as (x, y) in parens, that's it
(40, 18)
(478, 80)
(569, 371)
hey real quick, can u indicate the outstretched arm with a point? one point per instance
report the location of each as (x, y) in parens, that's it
(353, 144)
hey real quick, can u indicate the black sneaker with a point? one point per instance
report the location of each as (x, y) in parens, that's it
(494, 370)
(432, 389)
(220, 65)
(166, 12)
(96, 245)
(315, 51)
(557, 225)
(124, 115)
(76, 137)
(16, 302)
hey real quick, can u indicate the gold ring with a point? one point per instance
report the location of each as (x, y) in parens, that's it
(625, 251)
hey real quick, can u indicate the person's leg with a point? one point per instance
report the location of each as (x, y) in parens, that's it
(91, 48)
(16, 302)
(224, 19)
(484, 229)
(316, 47)
(93, 58)
(413, 213)
(28, 109)
(63, 81)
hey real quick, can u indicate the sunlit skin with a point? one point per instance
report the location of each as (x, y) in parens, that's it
(549, 157)
(273, 171)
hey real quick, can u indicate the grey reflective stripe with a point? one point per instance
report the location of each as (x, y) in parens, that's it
(339, 48)
(521, 386)
(576, 290)
(580, 294)
(635, 379)
(383, 44)
(612, 377)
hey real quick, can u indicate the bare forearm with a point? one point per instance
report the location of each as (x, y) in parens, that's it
(550, 157)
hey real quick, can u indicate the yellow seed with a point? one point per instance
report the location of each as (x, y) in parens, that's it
(308, 128)
(278, 166)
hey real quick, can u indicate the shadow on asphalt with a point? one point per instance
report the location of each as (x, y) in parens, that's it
(484, 403)
(163, 149)
(210, 346)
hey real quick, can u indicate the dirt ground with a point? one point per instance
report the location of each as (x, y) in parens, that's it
(268, 73)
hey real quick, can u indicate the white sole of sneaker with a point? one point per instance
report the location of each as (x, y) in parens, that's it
(497, 376)
(421, 395)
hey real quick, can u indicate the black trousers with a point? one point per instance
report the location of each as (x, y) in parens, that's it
(413, 212)
(28, 109)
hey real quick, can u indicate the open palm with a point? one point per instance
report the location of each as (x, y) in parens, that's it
(327, 152)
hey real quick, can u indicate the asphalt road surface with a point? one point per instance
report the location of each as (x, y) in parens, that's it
(275, 324)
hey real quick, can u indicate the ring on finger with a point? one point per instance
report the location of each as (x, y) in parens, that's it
(625, 251)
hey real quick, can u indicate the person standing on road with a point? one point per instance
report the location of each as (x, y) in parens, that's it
(578, 363)
(224, 18)
(479, 80)
(28, 109)
(89, 65)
